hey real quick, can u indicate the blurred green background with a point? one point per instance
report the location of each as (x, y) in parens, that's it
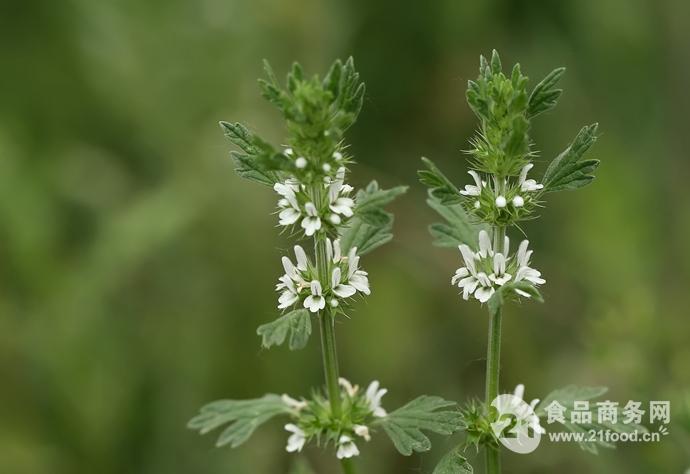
(135, 266)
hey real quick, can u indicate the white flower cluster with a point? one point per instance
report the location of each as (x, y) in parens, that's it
(524, 186)
(369, 403)
(296, 204)
(488, 269)
(513, 406)
(300, 282)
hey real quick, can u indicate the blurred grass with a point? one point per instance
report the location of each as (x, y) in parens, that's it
(136, 266)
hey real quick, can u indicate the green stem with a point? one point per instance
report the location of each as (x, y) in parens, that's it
(348, 466)
(493, 362)
(328, 343)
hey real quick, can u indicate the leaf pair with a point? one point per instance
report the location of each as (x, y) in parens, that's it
(296, 323)
(404, 426)
(371, 225)
(243, 417)
(254, 162)
(568, 170)
(566, 397)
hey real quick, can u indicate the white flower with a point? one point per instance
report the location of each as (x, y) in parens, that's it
(292, 403)
(312, 222)
(357, 278)
(290, 210)
(373, 396)
(471, 190)
(315, 301)
(501, 201)
(499, 276)
(337, 155)
(362, 431)
(301, 162)
(288, 151)
(532, 420)
(340, 289)
(528, 184)
(346, 448)
(339, 203)
(350, 389)
(525, 272)
(292, 283)
(518, 201)
(296, 440)
(483, 269)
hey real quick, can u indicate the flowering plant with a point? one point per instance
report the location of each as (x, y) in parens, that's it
(477, 216)
(314, 202)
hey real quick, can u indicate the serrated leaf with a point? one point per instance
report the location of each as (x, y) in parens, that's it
(453, 463)
(458, 229)
(429, 413)
(296, 323)
(545, 95)
(567, 171)
(375, 199)
(242, 416)
(440, 187)
(371, 225)
(568, 395)
(254, 162)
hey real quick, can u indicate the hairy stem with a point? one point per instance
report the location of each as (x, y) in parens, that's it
(327, 326)
(493, 361)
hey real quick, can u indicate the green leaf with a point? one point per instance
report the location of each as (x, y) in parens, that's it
(404, 426)
(458, 229)
(567, 171)
(252, 162)
(545, 95)
(297, 323)
(567, 396)
(453, 463)
(371, 225)
(243, 417)
(439, 185)
(375, 199)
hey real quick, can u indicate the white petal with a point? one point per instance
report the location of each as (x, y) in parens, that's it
(311, 225)
(520, 391)
(310, 208)
(301, 258)
(360, 282)
(460, 273)
(501, 201)
(335, 277)
(522, 259)
(468, 257)
(288, 216)
(344, 291)
(362, 431)
(288, 267)
(477, 179)
(336, 251)
(329, 249)
(484, 244)
(315, 287)
(483, 294)
(523, 172)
